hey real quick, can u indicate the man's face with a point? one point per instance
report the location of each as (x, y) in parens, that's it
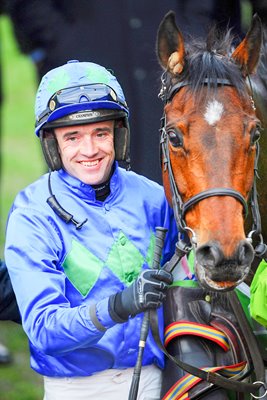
(87, 151)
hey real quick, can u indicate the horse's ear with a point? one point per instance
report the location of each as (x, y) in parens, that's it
(170, 44)
(247, 53)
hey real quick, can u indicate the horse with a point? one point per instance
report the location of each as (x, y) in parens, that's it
(210, 135)
(210, 140)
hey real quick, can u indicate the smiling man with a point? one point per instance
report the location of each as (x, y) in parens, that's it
(87, 151)
(80, 241)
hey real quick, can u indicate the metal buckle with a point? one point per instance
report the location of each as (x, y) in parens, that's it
(259, 397)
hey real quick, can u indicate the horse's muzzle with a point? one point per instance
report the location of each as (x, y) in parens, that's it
(215, 271)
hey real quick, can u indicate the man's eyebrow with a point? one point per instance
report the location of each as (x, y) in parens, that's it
(70, 133)
(105, 128)
(96, 130)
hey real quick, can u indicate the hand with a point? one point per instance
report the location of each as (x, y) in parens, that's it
(147, 291)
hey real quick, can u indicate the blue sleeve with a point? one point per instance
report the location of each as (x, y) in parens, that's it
(33, 248)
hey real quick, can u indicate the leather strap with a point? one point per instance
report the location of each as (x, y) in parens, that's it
(215, 192)
(188, 381)
(208, 376)
(256, 355)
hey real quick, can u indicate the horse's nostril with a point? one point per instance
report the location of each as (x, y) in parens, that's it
(245, 253)
(209, 255)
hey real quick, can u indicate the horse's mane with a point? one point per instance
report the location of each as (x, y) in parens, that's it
(209, 61)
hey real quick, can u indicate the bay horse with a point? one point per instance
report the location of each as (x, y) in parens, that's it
(211, 126)
(210, 134)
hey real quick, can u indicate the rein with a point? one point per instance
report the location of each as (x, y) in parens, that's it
(151, 320)
(210, 376)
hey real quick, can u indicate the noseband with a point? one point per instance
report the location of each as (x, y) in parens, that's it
(180, 207)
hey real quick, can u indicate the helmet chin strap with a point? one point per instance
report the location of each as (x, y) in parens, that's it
(102, 191)
(59, 210)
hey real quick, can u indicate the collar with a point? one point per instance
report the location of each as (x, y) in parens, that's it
(84, 190)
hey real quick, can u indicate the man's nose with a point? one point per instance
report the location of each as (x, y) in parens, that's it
(88, 146)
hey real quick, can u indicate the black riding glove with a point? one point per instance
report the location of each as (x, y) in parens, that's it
(147, 291)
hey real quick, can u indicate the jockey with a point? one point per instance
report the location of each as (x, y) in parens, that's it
(80, 242)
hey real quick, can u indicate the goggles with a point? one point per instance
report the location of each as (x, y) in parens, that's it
(80, 94)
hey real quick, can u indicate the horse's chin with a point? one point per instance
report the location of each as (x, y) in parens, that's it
(206, 282)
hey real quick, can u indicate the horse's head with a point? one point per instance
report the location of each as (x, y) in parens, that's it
(209, 142)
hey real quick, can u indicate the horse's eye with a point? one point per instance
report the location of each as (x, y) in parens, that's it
(255, 135)
(175, 138)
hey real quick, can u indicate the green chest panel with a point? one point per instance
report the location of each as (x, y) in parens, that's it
(83, 268)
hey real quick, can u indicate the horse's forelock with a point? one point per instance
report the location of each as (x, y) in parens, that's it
(207, 61)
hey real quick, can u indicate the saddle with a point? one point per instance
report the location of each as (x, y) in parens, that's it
(202, 330)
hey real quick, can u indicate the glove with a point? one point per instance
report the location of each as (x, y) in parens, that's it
(147, 291)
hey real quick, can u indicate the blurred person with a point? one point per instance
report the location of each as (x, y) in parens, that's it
(121, 35)
(83, 280)
(8, 305)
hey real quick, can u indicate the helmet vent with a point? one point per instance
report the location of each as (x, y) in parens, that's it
(83, 99)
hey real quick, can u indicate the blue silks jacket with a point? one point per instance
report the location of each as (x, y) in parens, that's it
(58, 271)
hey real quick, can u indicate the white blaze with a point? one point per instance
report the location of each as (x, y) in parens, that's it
(213, 112)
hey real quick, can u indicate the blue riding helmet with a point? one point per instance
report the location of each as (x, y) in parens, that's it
(75, 87)
(79, 93)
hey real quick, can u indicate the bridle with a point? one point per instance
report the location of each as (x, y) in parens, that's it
(167, 92)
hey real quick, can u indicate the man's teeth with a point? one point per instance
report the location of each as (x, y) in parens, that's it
(90, 163)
